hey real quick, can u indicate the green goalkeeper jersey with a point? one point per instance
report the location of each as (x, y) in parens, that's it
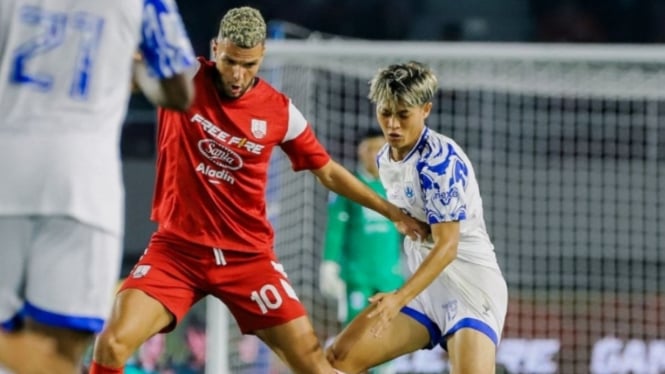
(364, 243)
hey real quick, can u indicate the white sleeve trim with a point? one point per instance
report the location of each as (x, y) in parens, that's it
(297, 123)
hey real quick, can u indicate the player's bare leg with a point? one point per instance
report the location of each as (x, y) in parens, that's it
(297, 345)
(471, 352)
(70, 345)
(356, 349)
(134, 319)
(28, 352)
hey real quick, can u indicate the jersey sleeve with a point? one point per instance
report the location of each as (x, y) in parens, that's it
(301, 145)
(166, 48)
(443, 178)
(338, 219)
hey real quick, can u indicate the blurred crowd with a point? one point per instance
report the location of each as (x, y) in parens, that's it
(599, 21)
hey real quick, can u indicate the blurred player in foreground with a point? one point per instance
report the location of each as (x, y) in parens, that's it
(214, 237)
(65, 72)
(361, 254)
(456, 295)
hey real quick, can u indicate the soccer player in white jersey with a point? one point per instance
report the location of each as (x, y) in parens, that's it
(65, 73)
(455, 295)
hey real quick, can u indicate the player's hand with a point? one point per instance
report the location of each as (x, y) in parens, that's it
(33, 354)
(330, 283)
(411, 227)
(384, 307)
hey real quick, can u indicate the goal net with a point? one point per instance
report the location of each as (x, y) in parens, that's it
(568, 143)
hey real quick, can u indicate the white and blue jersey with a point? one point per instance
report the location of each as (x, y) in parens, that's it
(436, 183)
(65, 73)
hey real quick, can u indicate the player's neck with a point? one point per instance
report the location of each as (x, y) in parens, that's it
(398, 154)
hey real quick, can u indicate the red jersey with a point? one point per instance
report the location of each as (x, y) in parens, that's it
(212, 164)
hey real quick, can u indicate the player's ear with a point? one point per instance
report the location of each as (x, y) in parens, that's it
(213, 47)
(427, 109)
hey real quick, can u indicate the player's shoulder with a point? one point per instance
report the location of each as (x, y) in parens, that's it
(161, 6)
(437, 144)
(205, 63)
(205, 66)
(268, 92)
(434, 148)
(202, 73)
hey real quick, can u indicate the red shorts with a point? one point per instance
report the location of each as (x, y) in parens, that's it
(253, 286)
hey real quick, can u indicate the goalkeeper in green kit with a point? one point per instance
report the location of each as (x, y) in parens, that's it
(362, 248)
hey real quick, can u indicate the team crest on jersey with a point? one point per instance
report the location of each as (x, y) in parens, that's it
(410, 193)
(259, 128)
(140, 271)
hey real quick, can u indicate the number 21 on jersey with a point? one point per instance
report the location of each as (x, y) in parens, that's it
(52, 31)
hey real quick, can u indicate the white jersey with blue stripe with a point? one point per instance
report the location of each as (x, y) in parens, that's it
(65, 72)
(436, 183)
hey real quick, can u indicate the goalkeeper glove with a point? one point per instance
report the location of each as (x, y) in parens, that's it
(330, 283)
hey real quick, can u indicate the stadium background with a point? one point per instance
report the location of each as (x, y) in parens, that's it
(574, 204)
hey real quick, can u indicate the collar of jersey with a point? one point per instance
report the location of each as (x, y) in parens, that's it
(416, 148)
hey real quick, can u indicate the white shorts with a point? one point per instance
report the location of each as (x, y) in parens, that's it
(465, 295)
(57, 271)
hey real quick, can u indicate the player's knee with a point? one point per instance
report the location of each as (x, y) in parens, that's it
(338, 351)
(330, 355)
(337, 355)
(113, 349)
(329, 352)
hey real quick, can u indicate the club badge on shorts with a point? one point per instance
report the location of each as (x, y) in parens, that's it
(140, 271)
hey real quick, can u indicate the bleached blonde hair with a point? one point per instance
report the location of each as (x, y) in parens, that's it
(243, 26)
(411, 84)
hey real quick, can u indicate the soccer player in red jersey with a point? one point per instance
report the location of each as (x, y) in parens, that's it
(214, 237)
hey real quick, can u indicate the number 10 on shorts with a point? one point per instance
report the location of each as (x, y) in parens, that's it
(269, 298)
